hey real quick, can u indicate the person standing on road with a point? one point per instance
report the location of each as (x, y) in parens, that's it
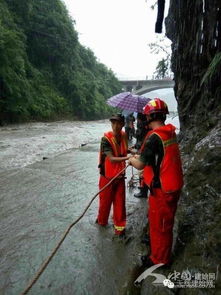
(113, 154)
(160, 159)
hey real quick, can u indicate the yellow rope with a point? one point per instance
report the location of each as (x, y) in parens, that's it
(45, 264)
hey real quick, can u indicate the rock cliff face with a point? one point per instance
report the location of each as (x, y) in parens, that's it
(195, 30)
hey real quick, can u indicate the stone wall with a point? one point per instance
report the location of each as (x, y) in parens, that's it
(195, 30)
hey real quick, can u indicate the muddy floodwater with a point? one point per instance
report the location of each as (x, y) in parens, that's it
(48, 175)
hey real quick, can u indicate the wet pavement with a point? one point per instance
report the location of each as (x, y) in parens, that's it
(40, 198)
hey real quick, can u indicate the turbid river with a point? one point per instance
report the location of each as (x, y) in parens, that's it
(48, 175)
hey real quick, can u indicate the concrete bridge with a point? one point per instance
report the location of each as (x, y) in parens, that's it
(142, 86)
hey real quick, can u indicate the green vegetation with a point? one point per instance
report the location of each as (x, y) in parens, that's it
(45, 73)
(214, 68)
(162, 69)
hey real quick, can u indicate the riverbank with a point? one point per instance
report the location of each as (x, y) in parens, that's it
(39, 201)
(48, 174)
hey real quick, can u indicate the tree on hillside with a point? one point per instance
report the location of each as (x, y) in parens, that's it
(162, 47)
(162, 69)
(45, 73)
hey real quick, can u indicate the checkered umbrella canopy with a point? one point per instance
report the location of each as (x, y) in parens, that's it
(128, 101)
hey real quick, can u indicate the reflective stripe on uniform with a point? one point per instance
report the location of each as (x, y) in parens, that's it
(169, 141)
(119, 228)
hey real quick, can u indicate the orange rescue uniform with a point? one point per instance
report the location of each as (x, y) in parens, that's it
(115, 192)
(164, 197)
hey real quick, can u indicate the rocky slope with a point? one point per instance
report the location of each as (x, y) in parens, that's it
(194, 28)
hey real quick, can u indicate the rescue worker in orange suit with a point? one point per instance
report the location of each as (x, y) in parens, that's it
(160, 159)
(113, 154)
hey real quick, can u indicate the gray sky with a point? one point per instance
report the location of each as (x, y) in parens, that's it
(118, 32)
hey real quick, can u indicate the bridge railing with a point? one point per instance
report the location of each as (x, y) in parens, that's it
(143, 86)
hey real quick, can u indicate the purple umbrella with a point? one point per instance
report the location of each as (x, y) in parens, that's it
(128, 101)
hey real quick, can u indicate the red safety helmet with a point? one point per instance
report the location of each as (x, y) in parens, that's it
(155, 105)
